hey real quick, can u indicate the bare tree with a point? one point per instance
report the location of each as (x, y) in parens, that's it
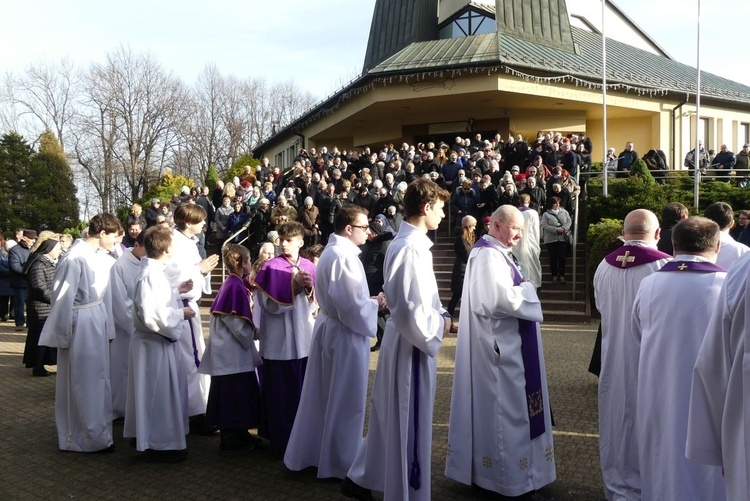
(47, 91)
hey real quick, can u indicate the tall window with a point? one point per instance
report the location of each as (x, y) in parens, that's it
(743, 135)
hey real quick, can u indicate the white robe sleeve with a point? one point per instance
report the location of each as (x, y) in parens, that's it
(355, 309)
(122, 304)
(709, 389)
(156, 313)
(241, 330)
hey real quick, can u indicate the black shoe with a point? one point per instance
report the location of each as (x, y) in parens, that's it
(198, 426)
(133, 443)
(111, 448)
(169, 456)
(236, 441)
(352, 490)
(375, 347)
(40, 372)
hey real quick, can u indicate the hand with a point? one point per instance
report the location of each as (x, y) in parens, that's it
(209, 263)
(187, 313)
(185, 286)
(382, 302)
(447, 326)
(303, 280)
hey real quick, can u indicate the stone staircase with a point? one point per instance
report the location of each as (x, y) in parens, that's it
(558, 304)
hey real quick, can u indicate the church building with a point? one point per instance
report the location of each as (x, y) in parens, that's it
(437, 69)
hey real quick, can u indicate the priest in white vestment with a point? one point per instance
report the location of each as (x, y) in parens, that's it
(616, 283)
(331, 415)
(527, 251)
(722, 214)
(719, 416)
(186, 264)
(396, 454)
(80, 326)
(670, 316)
(500, 435)
(122, 282)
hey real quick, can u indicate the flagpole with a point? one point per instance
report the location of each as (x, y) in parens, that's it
(697, 156)
(604, 104)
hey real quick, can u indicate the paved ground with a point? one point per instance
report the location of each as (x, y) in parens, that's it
(31, 467)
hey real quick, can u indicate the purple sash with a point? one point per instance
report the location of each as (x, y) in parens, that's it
(630, 256)
(233, 299)
(694, 266)
(530, 355)
(275, 278)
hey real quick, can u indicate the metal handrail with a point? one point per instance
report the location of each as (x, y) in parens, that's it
(229, 241)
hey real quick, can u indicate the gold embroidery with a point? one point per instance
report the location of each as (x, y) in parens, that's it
(682, 267)
(535, 403)
(625, 259)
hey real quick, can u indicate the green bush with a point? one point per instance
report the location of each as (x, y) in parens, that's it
(238, 169)
(165, 188)
(211, 177)
(599, 240)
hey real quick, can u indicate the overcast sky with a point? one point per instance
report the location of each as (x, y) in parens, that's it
(320, 44)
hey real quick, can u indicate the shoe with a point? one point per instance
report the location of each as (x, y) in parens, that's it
(554, 279)
(562, 280)
(237, 441)
(168, 456)
(352, 490)
(40, 373)
(454, 329)
(198, 426)
(133, 443)
(19, 328)
(375, 347)
(3, 319)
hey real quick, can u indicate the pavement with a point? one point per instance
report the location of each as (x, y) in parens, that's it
(31, 466)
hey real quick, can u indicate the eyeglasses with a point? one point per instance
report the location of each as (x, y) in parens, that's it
(363, 228)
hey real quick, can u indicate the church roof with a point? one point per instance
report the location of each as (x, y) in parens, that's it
(626, 65)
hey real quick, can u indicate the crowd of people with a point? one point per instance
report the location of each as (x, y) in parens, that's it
(318, 266)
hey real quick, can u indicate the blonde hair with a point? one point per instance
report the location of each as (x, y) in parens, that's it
(44, 235)
(235, 256)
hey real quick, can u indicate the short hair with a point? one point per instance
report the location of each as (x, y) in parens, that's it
(695, 235)
(157, 241)
(139, 238)
(524, 198)
(135, 206)
(672, 213)
(347, 215)
(312, 252)
(105, 222)
(552, 201)
(422, 192)
(290, 230)
(188, 214)
(134, 222)
(721, 213)
(235, 256)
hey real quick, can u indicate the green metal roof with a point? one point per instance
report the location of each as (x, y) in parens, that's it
(625, 64)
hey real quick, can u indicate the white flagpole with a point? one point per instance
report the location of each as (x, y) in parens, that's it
(604, 103)
(697, 156)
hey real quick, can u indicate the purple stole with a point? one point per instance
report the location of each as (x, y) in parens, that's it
(694, 266)
(630, 256)
(530, 355)
(276, 276)
(233, 299)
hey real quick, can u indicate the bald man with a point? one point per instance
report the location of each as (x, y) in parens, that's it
(500, 435)
(616, 283)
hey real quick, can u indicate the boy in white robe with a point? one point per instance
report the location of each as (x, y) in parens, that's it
(500, 433)
(528, 249)
(122, 282)
(331, 416)
(186, 264)
(670, 316)
(616, 283)
(80, 326)
(722, 214)
(396, 453)
(156, 408)
(719, 400)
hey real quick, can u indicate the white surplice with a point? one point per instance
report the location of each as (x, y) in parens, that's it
(719, 416)
(528, 249)
(331, 415)
(615, 289)
(730, 250)
(157, 404)
(669, 319)
(488, 438)
(185, 265)
(122, 282)
(80, 326)
(385, 458)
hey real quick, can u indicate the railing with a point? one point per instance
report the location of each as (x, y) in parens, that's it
(229, 241)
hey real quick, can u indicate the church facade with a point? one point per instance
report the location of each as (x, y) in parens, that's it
(450, 68)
